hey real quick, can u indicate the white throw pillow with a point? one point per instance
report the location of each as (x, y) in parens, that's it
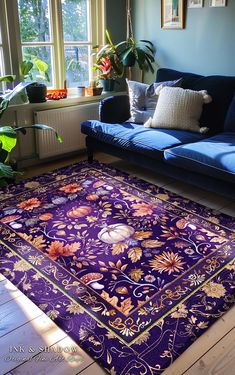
(143, 99)
(178, 108)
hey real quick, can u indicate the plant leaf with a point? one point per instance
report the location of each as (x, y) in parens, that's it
(42, 66)
(6, 171)
(125, 53)
(7, 138)
(149, 63)
(21, 86)
(40, 127)
(147, 41)
(141, 57)
(25, 67)
(3, 106)
(109, 38)
(7, 78)
(150, 49)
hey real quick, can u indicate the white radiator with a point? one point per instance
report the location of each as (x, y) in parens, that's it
(67, 122)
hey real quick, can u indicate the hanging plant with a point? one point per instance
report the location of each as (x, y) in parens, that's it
(141, 52)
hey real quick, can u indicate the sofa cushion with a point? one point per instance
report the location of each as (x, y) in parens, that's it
(221, 89)
(229, 125)
(214, 156)
(137, 138)
(114, 109)
(143, 99)
(179, 108)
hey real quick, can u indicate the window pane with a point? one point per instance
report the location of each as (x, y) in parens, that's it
(44, 54)
(34, 20)
(75, 20)
(77, 65)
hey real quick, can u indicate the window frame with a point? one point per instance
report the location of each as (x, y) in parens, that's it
(13, 54)
(6, 56)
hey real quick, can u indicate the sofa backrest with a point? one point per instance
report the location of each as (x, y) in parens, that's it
(221, 89)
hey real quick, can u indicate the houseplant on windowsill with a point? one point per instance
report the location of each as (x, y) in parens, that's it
(108, 64)
(35, 69)
(8, 134)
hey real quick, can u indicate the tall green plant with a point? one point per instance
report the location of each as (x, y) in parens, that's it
(8, 134)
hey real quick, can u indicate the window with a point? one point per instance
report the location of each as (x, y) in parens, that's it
(36, 34)
(59, 32)
(77, 48)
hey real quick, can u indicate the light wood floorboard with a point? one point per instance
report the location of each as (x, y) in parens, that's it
(23, 324)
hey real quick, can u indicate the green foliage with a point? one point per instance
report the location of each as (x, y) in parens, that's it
(34, 69)
(8, 135)
(8, 78)
(25, 68)
(126, 53)
(107, 60)
(141, 52)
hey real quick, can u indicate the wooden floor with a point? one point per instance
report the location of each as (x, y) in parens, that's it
(24, 324)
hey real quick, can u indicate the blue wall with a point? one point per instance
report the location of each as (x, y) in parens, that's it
(206, 45)
(116, 19)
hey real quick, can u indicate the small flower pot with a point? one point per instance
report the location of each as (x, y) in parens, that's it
(107, 84)
(93, 91)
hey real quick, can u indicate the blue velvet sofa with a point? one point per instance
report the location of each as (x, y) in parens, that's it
(207, 161)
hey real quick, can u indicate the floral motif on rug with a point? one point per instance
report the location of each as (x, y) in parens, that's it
(133, 273)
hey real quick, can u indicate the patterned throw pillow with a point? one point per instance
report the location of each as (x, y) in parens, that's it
(178, 108)
(143, 99)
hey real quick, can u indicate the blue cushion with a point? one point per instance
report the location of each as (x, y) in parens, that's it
(213, 156)
(221, 88)
(229, 125)
(137, 138)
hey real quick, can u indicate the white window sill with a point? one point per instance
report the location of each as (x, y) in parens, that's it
(69, 101)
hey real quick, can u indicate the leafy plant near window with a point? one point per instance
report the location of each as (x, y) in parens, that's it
(111, 59)
(140, 52)
(34, 69)
(8, 134)
(107, 60)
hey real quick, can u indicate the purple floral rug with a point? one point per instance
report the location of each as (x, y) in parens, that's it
(133, 273)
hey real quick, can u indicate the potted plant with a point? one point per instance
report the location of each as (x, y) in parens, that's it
(8, 134)
(108, 64)
(35, 70)
(141, 52)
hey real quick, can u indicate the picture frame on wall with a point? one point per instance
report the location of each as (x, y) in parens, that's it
(217, 3)
(172, 14)
(195, 3)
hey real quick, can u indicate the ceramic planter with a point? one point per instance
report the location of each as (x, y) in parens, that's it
(37, 92)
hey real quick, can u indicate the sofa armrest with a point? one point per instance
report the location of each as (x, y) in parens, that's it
(115, 109)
